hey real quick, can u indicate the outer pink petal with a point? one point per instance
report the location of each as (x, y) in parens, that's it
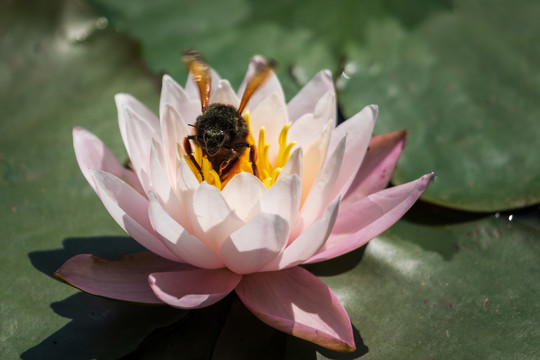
(255, 244)
(304, 102)
(270, 86)
(370, 216)
(359, 129)
(172, 95)
(130, 210)
(377, 167)
(308, 243)
(124, 279)
(298, 303)
(182, 244)
(193, 289)
(92, 153)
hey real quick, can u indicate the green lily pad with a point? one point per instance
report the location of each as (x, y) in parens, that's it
(464, 291)
(463, 84)
(458, 76)
(60, 70)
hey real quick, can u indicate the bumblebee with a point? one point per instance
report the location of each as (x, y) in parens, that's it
(221, 131)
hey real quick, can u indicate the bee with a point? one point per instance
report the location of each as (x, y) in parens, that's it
(221, 131)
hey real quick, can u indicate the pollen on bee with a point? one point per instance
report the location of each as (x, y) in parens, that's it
(268, 172)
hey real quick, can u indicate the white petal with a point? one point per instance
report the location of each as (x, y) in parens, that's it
(162, 187)
(130, 210)
(314, 156)
(272, 115)
(127, 102)
(172, 95)
(309, 242)
(92, 153)
(211, 217)
(242, 192)
(294, 164)
(360, 128)
(187, 247)
(309, 126)
(305, 101)
(319, 196)
(282, 198)
(224, 94)
(139, 142)
(173, 132)
(255, 244)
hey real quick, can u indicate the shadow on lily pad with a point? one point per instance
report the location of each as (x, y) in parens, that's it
(100, 328)
(108, 247)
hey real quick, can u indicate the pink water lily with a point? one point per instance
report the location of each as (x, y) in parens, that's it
(321, 192)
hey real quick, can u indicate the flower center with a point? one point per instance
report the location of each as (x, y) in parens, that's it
(268, 171)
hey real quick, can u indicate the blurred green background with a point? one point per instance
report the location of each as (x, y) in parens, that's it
(456, 279)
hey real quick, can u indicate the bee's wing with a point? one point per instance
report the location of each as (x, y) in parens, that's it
(261, 75)
(200, 72)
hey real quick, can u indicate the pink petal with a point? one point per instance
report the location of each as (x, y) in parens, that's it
(255, 244)
(124, 279)
(162, 187)
(172, 95)
(377, 167)
(182, 244)
(211, 217)
(309, 242)
(310, 125)
(173, 132)
(127, 102)
(298, 303)
(304, 102)
(242, 192)
(130, 210)
(193, 289)
(272, 85)
(319, 195)
(224, 94)
(370, 216)
(92, 153)
(359, 129)
(271, 114)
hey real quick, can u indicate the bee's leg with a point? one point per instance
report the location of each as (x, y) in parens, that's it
(189, 152)
(252, 159)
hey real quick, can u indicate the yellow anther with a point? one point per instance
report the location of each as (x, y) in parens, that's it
(215, 177)
(193, 168)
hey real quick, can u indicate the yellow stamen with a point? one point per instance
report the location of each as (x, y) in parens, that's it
(268, 173)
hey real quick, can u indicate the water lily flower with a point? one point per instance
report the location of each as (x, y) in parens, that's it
(321, 192)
